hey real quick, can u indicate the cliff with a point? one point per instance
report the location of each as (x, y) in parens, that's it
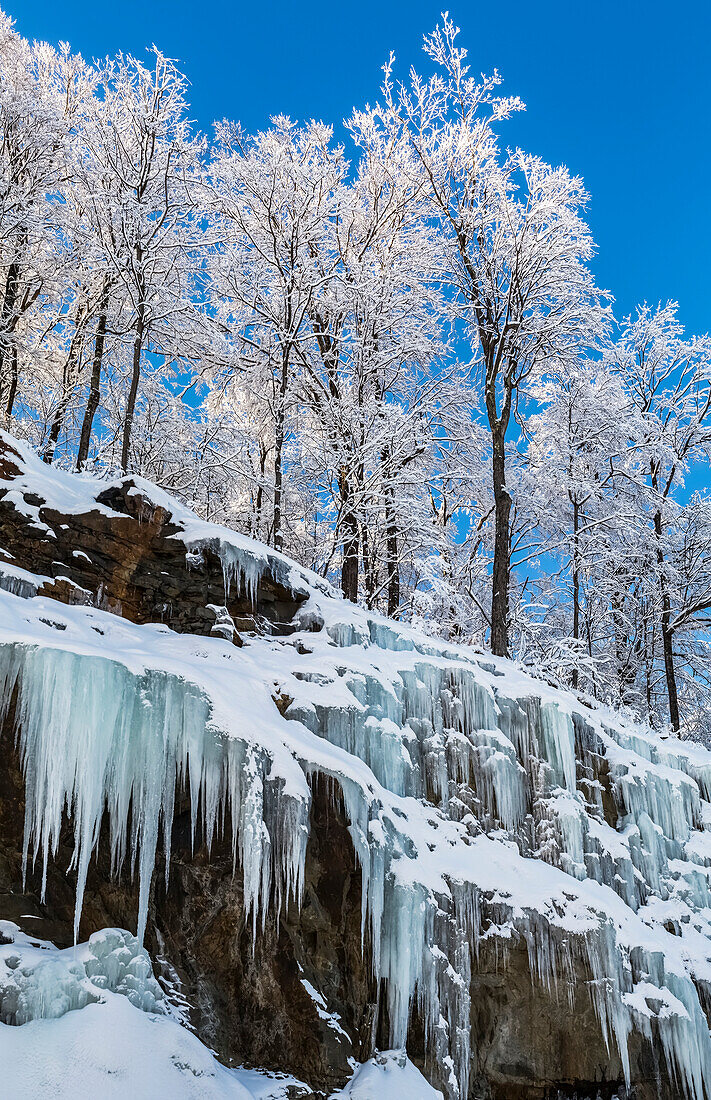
(335, 835)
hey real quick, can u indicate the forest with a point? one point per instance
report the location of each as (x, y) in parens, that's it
(379, 348)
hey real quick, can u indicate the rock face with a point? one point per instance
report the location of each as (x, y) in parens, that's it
(248, 1000)
(300, 996)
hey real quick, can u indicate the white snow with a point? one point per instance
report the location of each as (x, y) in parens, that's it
(91, 1021)
(39, 982)
(243, 559)
(331, 1019)
(388, 1075)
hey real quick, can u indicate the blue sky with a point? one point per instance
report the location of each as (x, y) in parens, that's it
(619, 92)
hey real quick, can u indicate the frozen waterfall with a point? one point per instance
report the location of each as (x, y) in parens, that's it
(479, 804)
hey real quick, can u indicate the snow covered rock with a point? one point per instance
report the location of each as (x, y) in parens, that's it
(125, 546)
(39, 982)
(531, 876)
(122, 1037)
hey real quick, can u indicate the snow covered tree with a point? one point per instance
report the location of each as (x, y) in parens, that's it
(573, 510)
(274, 198)
(373, 369)
(517, 253)
(669, 381)
(689, 623)
(40, 92)
(147, 160)
(396, 367)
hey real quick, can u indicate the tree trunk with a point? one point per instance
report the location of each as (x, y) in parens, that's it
(576, 585)
(622, 648)
(588, 634)
(367, 546)
(502, 563)
(649, 666)
(8, 353)
(12, 391)
(393, 567)
(256, 519)
(669, 671)
(349, 527)
(92, 403)
(278, 451)
(56, 427)
(57, 422)
(666, 630)
(391, 545)
(367, 553)
(133, 391)
(69, 382)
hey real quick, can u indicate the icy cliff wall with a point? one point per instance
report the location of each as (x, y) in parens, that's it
(486, 811)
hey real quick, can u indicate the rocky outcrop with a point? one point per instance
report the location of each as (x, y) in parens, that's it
(250, 1000)
(122, 550)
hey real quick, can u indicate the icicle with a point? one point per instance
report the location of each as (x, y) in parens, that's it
(18, 582)
(42, 983)
(408, 725)
(239, 566)
(93, 737)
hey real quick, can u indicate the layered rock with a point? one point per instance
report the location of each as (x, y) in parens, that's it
(131, 550)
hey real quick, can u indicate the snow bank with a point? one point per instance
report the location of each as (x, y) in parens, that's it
(390, 1075)
(92, 1021)
(39, 982)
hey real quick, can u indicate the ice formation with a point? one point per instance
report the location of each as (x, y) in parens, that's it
(93, 1021)
(40, 982)
(389, 1074)
(96, 736)
(480, 802)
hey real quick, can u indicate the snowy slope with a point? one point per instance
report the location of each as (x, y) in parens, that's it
(478, 797)
(390, 1075)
